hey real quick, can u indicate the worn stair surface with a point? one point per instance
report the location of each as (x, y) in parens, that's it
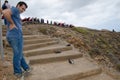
(52, 62)
(47, 50)
(64, 71)
(53, 59)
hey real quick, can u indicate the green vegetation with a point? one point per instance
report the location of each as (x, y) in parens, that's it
(94, 52)
(95, 43)
(118, 66)
(81, 30)
(43, 30)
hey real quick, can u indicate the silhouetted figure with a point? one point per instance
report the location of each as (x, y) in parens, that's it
(5, 6)
(42, 21)
(47, 22)
(113, 30)
(51, 22)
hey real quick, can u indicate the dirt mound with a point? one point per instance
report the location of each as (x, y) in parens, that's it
(90, 42)
(98, 44)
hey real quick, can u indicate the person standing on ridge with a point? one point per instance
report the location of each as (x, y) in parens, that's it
(5, 5)
(15, 37)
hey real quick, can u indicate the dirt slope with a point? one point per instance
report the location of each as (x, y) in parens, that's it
(102, 46)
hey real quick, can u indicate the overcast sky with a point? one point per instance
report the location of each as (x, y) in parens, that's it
(95, 14)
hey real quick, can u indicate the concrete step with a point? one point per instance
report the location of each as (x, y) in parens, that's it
(39, 45)
(27, 33)
(4, 28)
(4, 31)
(36, 46)
(33, 41)
(24, 33)
(27, 39)
(101, 76)
(30, 37)
(64, 71)
(47, 50)
(55, 57)
(3, 34)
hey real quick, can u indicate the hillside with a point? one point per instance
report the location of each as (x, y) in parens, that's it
(102, 47)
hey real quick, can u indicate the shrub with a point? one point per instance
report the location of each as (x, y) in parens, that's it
(81, 30)
(118, 67)
(94, 52)
(43, 30)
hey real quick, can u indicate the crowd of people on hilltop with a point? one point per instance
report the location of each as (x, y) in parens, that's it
(31, 20)
(63, 24)
(36, 20)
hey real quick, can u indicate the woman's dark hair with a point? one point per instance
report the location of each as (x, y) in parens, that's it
(6, 1)
(22, 3)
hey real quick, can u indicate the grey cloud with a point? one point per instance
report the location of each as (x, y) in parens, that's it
(89, 13)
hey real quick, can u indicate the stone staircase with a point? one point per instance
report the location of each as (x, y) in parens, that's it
(54, 59)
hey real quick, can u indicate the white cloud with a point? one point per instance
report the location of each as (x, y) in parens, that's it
(89, 13)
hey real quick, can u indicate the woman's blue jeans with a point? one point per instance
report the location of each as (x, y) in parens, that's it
(18, 57)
